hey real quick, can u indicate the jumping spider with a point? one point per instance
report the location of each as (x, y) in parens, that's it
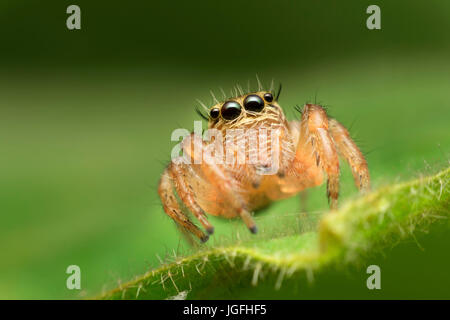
(307, 148)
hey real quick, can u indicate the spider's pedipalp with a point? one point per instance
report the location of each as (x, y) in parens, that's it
(221, 180)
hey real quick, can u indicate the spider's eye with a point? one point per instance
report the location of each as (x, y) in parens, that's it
(214, 113)
(254, 103)
(268, 97)
(230, 110)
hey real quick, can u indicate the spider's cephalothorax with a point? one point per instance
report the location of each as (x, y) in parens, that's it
(272, 159)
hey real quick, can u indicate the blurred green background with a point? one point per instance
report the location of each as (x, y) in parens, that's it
(86, 116)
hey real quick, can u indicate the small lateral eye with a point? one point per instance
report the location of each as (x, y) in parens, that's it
(268, 97)
(231, 110)
(214, 113)
(254, 103)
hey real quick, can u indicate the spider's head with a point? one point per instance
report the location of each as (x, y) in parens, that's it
(249, 110)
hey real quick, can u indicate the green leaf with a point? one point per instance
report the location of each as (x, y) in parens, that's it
(276, 264)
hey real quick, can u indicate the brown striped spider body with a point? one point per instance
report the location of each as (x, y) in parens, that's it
(306, 149)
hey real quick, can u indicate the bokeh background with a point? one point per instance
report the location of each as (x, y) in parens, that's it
(86, 118)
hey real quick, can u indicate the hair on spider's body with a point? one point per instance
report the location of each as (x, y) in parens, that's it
(306, 149)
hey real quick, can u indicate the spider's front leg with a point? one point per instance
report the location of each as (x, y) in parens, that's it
(315, 143)
(170, 203)
(350, 152)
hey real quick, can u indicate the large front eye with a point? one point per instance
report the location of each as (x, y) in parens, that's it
(253, 103)
(230, 110)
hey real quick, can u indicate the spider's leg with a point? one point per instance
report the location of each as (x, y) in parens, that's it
(348, 149)
(315, 140)
(216, 175)
(184, 191)
(172, 208)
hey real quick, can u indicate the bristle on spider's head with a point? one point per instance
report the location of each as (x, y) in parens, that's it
(298, 108)
(202, 114)
(277, 96)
